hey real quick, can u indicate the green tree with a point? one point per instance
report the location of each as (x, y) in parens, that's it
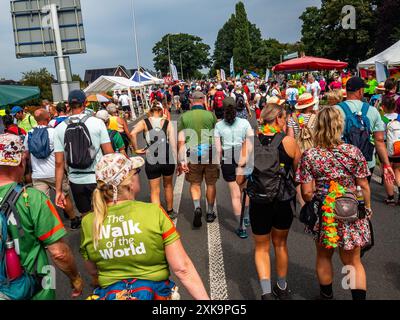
(224, 46)
(39, 78)
(194, 53)
(388, 24)
(242, 49)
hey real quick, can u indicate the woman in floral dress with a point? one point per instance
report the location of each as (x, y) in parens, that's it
(333, 160)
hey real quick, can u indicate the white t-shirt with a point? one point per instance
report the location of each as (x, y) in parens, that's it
(98, 134)
(314, 88)
(124, 100)
(233, 95)
(43, 168)
(292, 94)
(275, 93)
(252, 87)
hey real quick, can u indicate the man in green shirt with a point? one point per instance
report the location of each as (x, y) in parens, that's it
(25, 120)
(41, 225)
(196, 142)
(372, 83)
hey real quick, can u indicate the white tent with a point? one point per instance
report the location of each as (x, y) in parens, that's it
(146, 79)
(107, 83)
(390, 57)
(155, 79)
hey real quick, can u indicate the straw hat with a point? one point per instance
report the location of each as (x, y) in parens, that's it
(305, 101)
(380, 87)
(275, 100)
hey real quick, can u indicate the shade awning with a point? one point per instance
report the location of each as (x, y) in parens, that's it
(11, 95)
(309, 64)
(107, 83)
(389, 57)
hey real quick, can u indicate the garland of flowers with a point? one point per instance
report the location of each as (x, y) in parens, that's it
(269, 129)
(301, 119)
(329, 224)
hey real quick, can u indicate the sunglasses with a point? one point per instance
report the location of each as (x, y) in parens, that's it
(137, 172)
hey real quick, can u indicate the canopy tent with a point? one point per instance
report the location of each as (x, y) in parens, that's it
(155, 79)
(107, 83)
(309, 64)
(145, 78)
(12, 95)
(390, 57)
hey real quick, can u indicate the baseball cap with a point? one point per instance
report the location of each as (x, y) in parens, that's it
(76, 96)
(229, 102)
(15, 110)
(219, 87)
(114, 168)
(239, 84)
(198, 95)
(354, 84)
(112, 108)
(103, 115)
(11, 150)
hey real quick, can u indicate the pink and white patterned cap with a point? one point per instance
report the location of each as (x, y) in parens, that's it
(11, 150)
(114, 168)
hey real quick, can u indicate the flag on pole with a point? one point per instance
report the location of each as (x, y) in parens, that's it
(382, 72)
(223, 76)
(174, 72)
(232, 67)
(219, 75)
(267, 74)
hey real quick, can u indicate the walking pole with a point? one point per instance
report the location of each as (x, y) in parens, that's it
(242, 227)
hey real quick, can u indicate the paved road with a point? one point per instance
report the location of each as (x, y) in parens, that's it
(226, 263)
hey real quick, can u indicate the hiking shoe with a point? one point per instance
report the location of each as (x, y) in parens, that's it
(211, 217)
(242, 233)
(390, 202)
(282, 294)
(197, 218)
(76, 223)
(268, 296)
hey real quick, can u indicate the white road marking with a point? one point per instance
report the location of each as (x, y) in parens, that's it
(218, 285)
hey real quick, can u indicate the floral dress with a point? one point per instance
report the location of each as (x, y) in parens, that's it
(342, 164)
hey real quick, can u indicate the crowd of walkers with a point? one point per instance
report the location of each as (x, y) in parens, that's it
(312, 146)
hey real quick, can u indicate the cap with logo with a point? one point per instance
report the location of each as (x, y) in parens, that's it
(11, 150)
(77, 96)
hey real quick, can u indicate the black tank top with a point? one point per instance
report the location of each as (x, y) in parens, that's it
(283, 156)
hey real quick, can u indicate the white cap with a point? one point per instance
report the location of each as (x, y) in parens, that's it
(219, 87)
(239, 84)
(198, 88)
(103, 115)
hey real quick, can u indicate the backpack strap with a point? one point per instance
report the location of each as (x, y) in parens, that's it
(8, 205)
(346, 109)
(364, 109)
(149, 126)
(165, 127)
(311, 121)
(276, 142)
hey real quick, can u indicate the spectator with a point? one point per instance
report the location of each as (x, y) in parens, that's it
(25, 121)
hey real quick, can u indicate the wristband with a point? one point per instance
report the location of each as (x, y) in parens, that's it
(386, 166)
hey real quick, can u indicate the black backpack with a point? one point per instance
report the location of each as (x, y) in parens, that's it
(79, 150)
(240, 102)
(270, 181)
(263, 102)
(158, 149)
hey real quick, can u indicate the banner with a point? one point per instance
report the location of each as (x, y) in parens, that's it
(219, 75)
(174, 72)
(382, 72)
(267, 75)
(232, 67)
(223, 76)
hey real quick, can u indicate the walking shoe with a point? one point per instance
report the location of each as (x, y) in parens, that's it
(268, 296)
(211, 217)
(197, 218)
(282, 294)
(76, 223)
(390, 202)
(242, 233)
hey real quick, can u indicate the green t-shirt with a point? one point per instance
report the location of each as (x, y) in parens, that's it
(131, 243)
(372, 84)
(117, 141)
(198, 125)
(28, 123)
(42, 227)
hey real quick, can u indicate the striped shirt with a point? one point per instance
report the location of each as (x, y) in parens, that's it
(295, 125)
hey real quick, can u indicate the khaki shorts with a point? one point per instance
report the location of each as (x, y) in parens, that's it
(45, 185)
(197, 172)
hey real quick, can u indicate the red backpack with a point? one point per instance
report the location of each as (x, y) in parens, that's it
(219, 98)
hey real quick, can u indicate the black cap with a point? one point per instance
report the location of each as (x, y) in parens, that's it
(354, 84)
(77, 96)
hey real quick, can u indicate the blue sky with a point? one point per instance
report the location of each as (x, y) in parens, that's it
(109, 29)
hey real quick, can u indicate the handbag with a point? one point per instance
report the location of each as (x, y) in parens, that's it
(311, 212)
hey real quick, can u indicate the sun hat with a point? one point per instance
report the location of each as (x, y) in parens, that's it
(305, 100)
(103, 115)
(198, 95)
(381, 87)
(15, 110)
(275, 100)
(11, 150)
(114, 168)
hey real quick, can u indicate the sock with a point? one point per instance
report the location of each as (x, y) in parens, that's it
(326, 291)
(359, 294)
(196, 204)
(266, 286)
(282, 284)
(210, 208)
(247, 213)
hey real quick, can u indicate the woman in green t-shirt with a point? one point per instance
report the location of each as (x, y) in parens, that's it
(128, 245)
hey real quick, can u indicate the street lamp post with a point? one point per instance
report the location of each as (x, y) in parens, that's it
(183, 76)
(169, 55)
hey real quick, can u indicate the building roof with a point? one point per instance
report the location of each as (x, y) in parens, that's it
(119, 71)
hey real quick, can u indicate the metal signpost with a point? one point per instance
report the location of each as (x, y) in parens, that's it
(49, 28)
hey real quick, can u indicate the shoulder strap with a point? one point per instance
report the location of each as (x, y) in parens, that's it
(85, 118)
(165, 127)
(8, 205)
(29, 119)
(346, 109)
(364, 109)
(277, 140)
(311, 121)
(148, 124)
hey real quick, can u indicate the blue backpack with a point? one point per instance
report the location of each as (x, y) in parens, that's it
(357, 130)
(39, 143)
(26, 286)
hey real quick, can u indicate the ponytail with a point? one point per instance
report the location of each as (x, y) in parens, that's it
(100, 214)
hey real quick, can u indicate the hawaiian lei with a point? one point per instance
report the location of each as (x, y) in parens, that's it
(329, 224)
(301, 120)
(268, 129)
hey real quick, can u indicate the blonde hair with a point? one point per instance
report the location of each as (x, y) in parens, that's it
(271, 112)
(334, 97)
(102, 195)
(329, 128)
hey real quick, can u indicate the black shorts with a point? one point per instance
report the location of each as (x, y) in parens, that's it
(229, 172)
(82, 194)
(126, 108)
(219, 113)
(252, 97)
(156, 171)
(264, 217)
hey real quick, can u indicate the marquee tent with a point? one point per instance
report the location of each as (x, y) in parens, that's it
(107, 83)
(390, 57)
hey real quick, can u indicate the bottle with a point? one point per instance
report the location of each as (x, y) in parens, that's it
(282, 171)
(361, 203)
(13, 264)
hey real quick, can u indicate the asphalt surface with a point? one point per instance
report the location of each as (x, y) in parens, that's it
(232, 271)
